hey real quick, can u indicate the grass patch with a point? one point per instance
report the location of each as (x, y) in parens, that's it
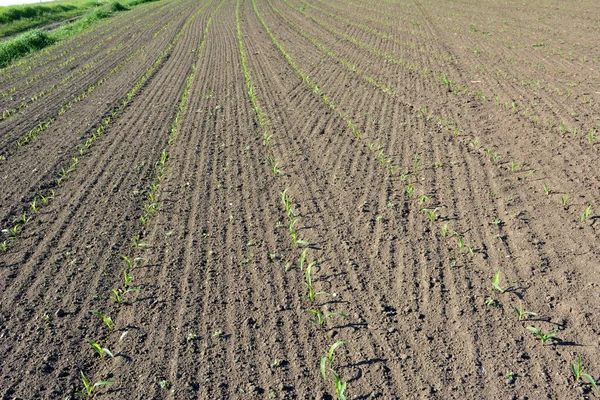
(19, 18)
(23, 44)
(37, 39)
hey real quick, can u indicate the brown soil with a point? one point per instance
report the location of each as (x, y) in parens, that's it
(369, 117)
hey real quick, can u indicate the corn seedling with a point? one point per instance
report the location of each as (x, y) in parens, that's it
(490, 301)
(302, 259)
(311, 294)
(105, 318)
(137, 244)
(293, 233)
(431, 213)
(586, 213)
(444, 229)
(513, 166)
(591, 136)
(102, 351)
(546, 189)
(424, 199)
(521, 313)
(528, 174)
(578, 373)
(89, 387)
(33, 205)
(217, 334)
(340, 386)
(118, 295)
(564, 200)
(544, 337)
(4, 246)
(461, 242)
(328, 358)
(409, 190)
(287, 204)
(320, 318)
(496, 282)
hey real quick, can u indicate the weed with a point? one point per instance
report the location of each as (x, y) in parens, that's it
(89, 387)
(521, 313)
(328, 358)
(578, 373)
(544, 337)
(496, 282)
(105, 318)
(102, 351)
(165, 384)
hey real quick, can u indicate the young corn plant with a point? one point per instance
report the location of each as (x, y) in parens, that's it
(294, 235)
(328, 358)
(521, 313)
(89, 387)
(105, 318)
(320, 317)
(565, 200)
(547, 189)
(118, 295)
(101, 351)
(586, 214)
(461, 242)
(578, 373)
(444, 229)
(432, 214)
(496, 283)
(544, 337)
(340, 386)
(311, 295)
(287, 204)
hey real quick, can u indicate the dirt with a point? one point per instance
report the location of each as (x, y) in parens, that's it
(398, 133)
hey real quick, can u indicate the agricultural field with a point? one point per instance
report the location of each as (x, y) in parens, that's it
(305, 199)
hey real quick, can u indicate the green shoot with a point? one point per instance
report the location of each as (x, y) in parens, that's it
(302, 259)
(546, 189)
(564, 200)
(578, 373)
(328, 358)
(544, 337)
(33, 205)
(496, 282)
(521, 313)
(409, 190)
(118, 295)
(293, 233)
(287, 204)
(513, 166)
(311, 295)
(105, 318)
(320, 317)
(340, 386)
(89, 387)
(424, 199)
(102, 351)
(461, 242)
(431, 213)
(444, 229)
(586, 213)
(137, 244)
(490, 301)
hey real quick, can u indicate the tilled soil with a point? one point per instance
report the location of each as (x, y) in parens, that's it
(423, 148)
